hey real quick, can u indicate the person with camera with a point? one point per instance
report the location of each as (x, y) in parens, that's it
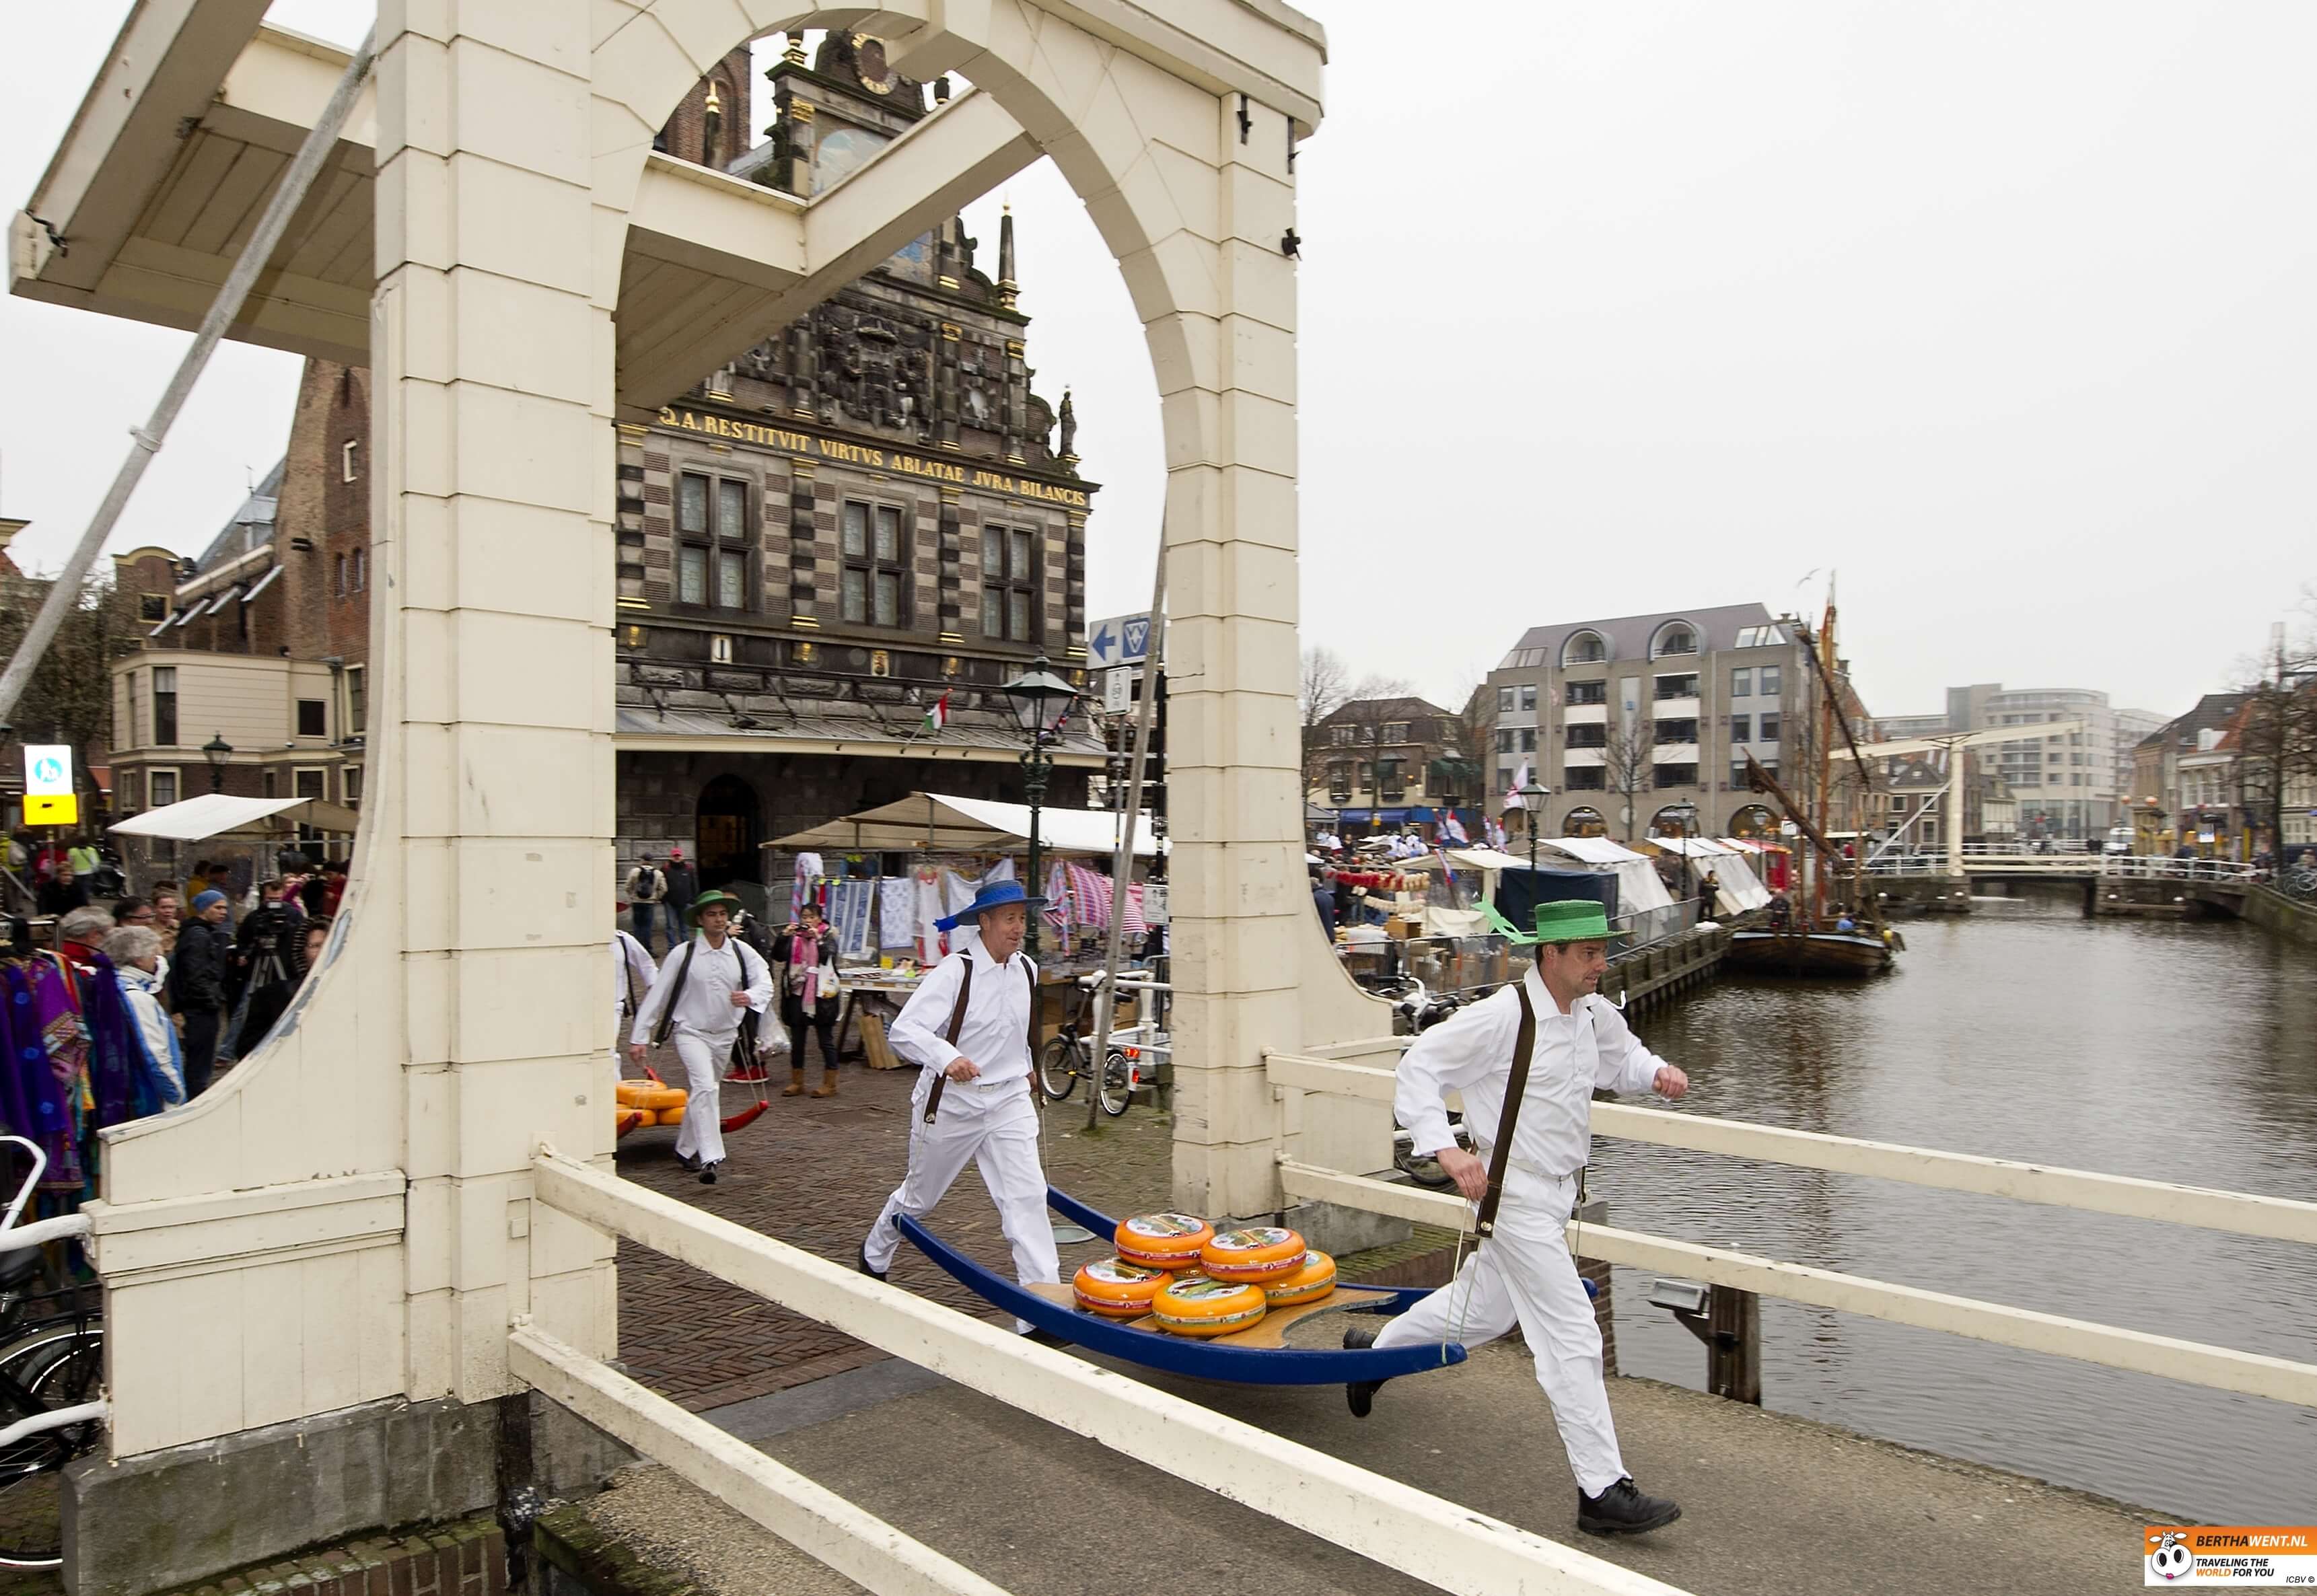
(805, 956)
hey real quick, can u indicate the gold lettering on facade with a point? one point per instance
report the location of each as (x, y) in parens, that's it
(804, 445)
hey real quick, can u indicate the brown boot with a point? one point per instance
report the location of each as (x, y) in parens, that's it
(795, 1088)
(827, 1087)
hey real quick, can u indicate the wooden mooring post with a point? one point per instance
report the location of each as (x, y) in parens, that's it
(1732, 1329)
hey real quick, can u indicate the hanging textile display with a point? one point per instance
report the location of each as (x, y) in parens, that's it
(851, 906)
(897, 912)
(47, 1048)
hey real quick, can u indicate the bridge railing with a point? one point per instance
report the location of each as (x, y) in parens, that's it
(1981, 858)
(1434, 1540)
(2239, 1213)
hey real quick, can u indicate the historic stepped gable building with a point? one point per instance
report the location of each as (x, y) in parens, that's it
(870, 509)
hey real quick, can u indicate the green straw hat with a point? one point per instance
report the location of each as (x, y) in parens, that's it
(711, 898)
(1571, 920)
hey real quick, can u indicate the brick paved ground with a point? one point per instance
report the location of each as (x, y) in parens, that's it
(815, 1172)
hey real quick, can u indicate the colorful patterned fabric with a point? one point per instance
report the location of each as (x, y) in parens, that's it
(47, 1047)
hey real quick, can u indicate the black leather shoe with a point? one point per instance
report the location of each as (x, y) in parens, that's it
(1623, 1510)
(688, 1163)
(707, 1172)
(1360, 1394)
(862, 1263)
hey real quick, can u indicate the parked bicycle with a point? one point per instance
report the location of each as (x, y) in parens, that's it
(51, 1379)
(1066, 1059)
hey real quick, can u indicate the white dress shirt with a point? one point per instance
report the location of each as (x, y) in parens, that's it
(995, 1034)
(705, 1008)
(632, 973)
(1588, 1049)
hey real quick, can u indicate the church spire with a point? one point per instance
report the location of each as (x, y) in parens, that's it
(1008, 290)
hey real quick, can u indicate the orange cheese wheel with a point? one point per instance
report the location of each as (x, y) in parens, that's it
(1208, 1307)
(643, 1116)
(674, 1116)
(1260, 1253)
(1118, 1289)
(655, 1097)
(1310, 1283)
(631, 1092)
(1163, 1241)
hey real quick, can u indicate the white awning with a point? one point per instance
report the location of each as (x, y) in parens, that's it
(1696, 847)
(1591, 849)
(934, 823)
(213, 813)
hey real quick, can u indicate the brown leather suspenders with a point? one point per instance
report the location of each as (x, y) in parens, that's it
(957, 1024)
(1500, 1155)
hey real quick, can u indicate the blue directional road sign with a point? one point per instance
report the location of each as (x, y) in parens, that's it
(1120, 640)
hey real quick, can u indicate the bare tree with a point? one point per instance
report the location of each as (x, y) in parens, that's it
(1375, 704)
(69, 698)
(2276, 766)
(1629, 763)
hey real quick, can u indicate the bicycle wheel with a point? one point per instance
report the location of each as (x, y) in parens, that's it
(1059, 1064)
(1117, 1083)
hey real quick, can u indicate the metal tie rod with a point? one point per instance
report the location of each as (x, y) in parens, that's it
(146, 441)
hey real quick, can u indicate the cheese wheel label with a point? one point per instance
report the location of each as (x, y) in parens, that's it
(1248, 1241)
(1165, 1225)
(1202, 1289)
(1116, 1272)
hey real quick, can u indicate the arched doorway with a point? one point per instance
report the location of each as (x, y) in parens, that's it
(731, 824)
(1674, 820)
(1752, 821)
(1583, 821)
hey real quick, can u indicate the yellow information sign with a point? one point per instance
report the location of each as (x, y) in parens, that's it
(51, 810)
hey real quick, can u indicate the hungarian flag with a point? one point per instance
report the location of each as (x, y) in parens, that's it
(937, 717)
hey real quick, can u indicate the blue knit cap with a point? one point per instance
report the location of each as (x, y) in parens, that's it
(203, 900)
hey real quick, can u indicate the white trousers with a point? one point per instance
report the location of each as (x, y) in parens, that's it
(701, 1134)
(996, 1127)
(1524, 1276)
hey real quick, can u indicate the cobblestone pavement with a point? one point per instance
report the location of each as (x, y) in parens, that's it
(815, 1172)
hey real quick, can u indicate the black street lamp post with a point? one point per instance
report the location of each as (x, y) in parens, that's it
(1040, 699)
(1532, 802)
(217, 751)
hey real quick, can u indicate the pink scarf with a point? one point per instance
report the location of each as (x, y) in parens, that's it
(804, 954)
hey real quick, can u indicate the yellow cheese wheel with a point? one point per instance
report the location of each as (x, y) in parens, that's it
(670, 1116)
(1312, 1281)
(643, 1116)
(655, 1097)
(631, 1092)
(1261, 1253)
(1163, 1241)
(1118, 1289)
(1208, 1307)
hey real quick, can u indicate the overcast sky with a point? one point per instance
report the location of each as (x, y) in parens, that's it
(2007, 313)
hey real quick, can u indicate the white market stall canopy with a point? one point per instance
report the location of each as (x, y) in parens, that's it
(1638, 887)
(933, 823)
(1736, 886)
(215, 814)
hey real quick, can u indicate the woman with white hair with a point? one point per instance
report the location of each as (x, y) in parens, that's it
(136, 954)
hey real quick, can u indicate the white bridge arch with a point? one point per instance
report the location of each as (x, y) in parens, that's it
(348, 1217)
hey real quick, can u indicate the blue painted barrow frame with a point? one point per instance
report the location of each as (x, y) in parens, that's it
(1186, 1355)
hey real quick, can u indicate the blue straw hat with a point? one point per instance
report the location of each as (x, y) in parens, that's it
(994, 894)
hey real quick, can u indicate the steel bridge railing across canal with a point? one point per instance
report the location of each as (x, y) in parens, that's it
(1425, 1536)
(2237, 1213)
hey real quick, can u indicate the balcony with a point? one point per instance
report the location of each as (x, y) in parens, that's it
(1681, 708)
(1585, 715)
(1578, 758)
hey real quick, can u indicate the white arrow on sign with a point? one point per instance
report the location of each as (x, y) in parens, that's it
(48, 770)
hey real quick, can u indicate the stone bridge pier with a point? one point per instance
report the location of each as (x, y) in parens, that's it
(311, 1273)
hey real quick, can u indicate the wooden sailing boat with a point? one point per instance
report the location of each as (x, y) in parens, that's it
(1806, 944)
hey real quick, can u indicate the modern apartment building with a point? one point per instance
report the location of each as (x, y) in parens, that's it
(1629, 721)
(2071, 784)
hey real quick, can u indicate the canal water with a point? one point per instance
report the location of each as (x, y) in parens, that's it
(2181, 1052)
